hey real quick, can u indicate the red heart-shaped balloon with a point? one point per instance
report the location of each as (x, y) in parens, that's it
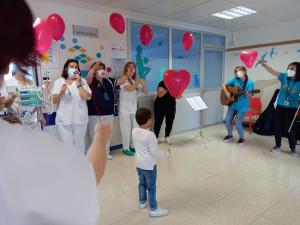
(187, 41)
(117, 22)
(248, 57)
(43, 36)
(58, 26)
(176, 81)
(146, 34)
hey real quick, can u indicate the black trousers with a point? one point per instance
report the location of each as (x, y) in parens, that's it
(164, 111)
(283, 119)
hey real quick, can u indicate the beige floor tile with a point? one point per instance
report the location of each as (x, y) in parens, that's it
(263, 221)
(210, 183)
(252, 200)
(284, 212)
(226, 212)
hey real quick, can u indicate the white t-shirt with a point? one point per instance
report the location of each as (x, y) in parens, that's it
(72, 109)
(128, 100)
(42, 182)
(146, 147)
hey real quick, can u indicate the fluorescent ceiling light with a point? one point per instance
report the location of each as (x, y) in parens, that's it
(234, 13)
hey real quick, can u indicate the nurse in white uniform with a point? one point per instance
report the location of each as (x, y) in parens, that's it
(128, 105)
(70, 93)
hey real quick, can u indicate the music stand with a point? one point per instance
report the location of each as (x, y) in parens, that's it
(197, 104)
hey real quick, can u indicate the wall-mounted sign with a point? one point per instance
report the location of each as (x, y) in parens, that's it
(85, 31)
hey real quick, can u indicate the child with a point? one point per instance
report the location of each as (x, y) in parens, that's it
(146, 153)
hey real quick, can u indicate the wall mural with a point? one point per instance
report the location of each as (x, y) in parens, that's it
(80, 53)
(141, 62)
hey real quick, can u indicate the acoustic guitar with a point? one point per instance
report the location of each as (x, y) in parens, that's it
(235, 93)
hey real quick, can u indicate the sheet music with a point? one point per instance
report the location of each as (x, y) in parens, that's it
(201, 103)
(196, 103)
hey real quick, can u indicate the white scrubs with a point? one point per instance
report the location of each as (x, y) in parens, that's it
(127, 110)
(43, 182)
(72, 115)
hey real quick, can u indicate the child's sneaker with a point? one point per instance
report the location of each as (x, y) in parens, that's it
(143, 205)
(168, 140)
(159, 212)
(276, 149)
(128, 152)
(241, 141)
(228, 138)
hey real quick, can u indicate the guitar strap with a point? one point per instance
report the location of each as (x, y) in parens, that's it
(245, 83)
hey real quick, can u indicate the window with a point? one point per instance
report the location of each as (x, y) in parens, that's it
(151, 60)
(215, 40)
(213, 67)
(189, 60)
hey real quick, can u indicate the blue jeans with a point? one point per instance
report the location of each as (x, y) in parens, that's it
(148, 183)
(239, 117)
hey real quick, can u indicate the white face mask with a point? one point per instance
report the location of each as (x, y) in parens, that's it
(291, 73)
(72, 72)
(101, 73)
(240, 74)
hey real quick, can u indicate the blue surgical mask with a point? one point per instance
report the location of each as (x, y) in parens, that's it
(71, 72)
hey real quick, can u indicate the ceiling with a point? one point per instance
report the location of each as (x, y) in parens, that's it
(199, 11)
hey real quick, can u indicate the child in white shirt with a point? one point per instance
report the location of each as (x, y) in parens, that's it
(145, 158)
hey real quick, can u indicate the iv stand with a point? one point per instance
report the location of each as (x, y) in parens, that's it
(294, 119)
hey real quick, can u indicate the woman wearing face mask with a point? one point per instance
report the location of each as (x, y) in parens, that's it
(241, 106)
(287, 104)
(20, 80)
(101, 107)
(128, 105)
(70, 93)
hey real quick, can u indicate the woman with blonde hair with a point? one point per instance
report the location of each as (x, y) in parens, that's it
(128, 105)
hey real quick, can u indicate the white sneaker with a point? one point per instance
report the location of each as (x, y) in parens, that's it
(159, 212)
(109, 157)
(294, 154)
(168, 141)
(276, 150)
(143, 205)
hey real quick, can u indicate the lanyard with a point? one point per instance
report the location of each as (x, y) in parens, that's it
(289, 90)
(101, 84)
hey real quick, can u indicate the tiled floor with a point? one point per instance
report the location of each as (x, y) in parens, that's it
(209, 182)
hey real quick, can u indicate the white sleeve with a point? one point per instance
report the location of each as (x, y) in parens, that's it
(56, 87)
(153, 148)
(125, 84)
(86, 86)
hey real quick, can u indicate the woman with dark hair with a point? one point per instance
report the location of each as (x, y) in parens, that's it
(128, 105)
(238, 109)
(101, 108)
(287, 104)
(70, 93)
(41, 181)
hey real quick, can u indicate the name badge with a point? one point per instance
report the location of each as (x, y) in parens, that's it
(286, 102)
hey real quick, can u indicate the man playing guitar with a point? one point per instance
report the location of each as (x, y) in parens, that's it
(241, 106)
